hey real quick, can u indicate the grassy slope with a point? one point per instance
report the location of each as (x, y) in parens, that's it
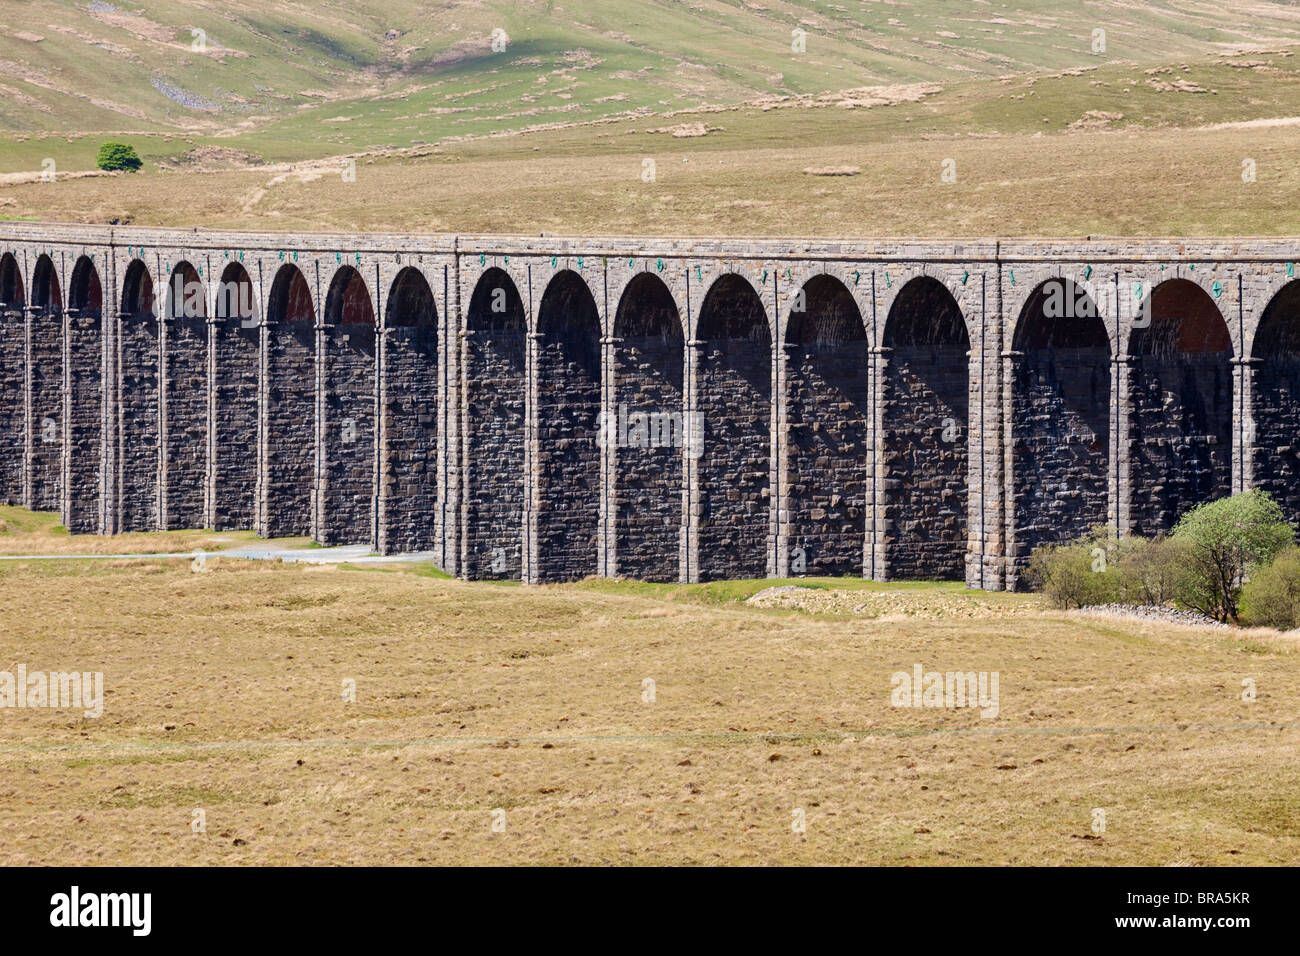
(1156, 166)
(224, 695)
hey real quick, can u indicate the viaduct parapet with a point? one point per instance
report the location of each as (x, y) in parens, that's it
(548, 408)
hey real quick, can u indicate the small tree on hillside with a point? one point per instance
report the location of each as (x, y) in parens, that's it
(1224, 540)
(118, 156)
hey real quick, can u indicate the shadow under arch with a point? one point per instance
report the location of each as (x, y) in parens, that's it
(1275, 395)
(236, 364)
(926, 404)
(826, 453)
(289, 468)
(648, 431)
(84, 405)
(45, 424)
(138, 402)
(568, 424)
(347, 499)
(183, 391)
(494, 350)
(735, 408)
(1180, 400)
(13, 337)
(411, 426)
(1061, 408)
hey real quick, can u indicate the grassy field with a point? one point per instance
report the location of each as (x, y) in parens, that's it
(1046, 137)
(224, 694)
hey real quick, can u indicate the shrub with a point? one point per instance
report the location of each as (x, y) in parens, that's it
(1079, 574)
(1224, 541)
(1271, 598)
(1153, 571)
(118, 156)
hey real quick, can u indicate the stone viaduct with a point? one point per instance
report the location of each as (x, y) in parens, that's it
(544, 408)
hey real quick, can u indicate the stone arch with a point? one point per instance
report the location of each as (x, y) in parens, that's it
(1180, 407)
(13, 336)
(925, 388)
(84, 407)
(1060, 417)
(495, 347)
(290, 430)
(735, 408)
(648, 431)
(348, 433)
(827, 415)
(410, 411)
(236, 365)
(568, 423)
(184, 399)
(1275, 396)
(137, 290)
(46, 291)
(138, 401)
(11, 282)
(85, 291)
(45, 389)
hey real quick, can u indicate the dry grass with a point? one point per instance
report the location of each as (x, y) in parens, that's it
(26, 532)
(224, 694)
(1155, 182)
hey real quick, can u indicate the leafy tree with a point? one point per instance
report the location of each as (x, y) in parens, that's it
(118, 156)
(1153, 571)
(1224, 541)
(1271, 598)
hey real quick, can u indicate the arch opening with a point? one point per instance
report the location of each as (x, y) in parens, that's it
(236, 359)
(1180, 395)
(1060, 419)
(11, 283)
(138, 402)
(568, 421)
(650, 432)
(1276, 399)
(735, 406)
(494, 354)
(84, 406)
(290, 442)
(925, 385)
(13, 336)
(45, 423)
(409, 520)
(348, 494)
(827, 392)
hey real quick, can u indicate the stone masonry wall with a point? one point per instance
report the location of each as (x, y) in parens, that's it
(12, 333)
(494, 350)
(924, 451)
(84, 409)
(45, 410)
(138, 408)
(291, 428)
(411, 370)
(568, 453)
(185, 420)
(819, 433)
(648, 435)
(828, 398)
(235, 373)
(349, 434)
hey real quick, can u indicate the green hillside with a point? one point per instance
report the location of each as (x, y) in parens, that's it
(288, 81)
